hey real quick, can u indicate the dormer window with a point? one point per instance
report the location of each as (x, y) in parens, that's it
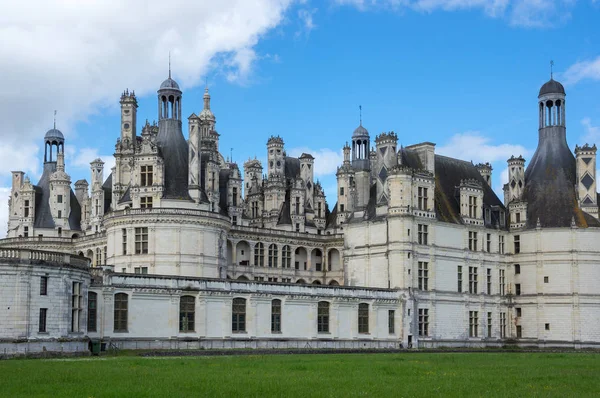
(422, 198)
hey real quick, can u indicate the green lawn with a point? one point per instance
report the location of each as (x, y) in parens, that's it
(336, 375)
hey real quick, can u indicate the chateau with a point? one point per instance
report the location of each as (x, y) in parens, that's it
(176, 247)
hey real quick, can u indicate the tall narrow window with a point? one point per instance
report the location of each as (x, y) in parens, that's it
(146, 176)
(26, 209)
(234, 195)
(501, 244)
(297, 206)
(517, 244)
(43, 286)
(146, 202)
(76, 307)
(59, 198)
(341, 191)
(472, 206)
(519, 331)
(489, 325)
(423, 322)
(42, 322)
(517, 269)
(323, 317)
(488, 243)
(286, 257)
(473, 323)
(92, 312)
(473, 280)
(472, 240)
(503, 325)
(460, 279)
(489, 281)
(273, 255)
(422, 198)
(238, 315)
(141, 240)
(423, 277)
(276, 316)
(187, 313)
(363, 318)
(517, 289)
(422, 235)
(501, 281)
(120, 312)
(259, 255)
(25, 232)
(391, 322)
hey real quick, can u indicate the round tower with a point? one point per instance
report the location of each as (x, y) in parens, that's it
(516, 178)
(275, 157)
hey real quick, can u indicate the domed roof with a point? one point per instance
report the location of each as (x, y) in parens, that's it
(54, 135)
(360, 131)
(552, 87)
(169, 84)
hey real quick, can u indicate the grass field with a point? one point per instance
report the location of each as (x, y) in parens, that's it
(336, 375)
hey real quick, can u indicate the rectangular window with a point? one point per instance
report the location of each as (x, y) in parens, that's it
(187, 314)
(501, 244)
(488, 243)
(43, 317)
(459, 278)
(517, 269)
(489, 281)
(422, 234)
(76, 307)
(234, 196)
(341, 191)
(517, 289)
(518, 312)
(489, 325)
(423, 322)
(238, 315)
(473, 323)
(146, 176)
(518, 217)
(503, 325)
(422, 198)
(297, 206)
(473, 280)
(296, 264)
(297, 227)
(472, 206)
(423, 277)
(546, 279)
(92, 311)
(234, 220)
(519, 331)
(547, 326)
(517, 244)
(286, 257)
(391, 323)
(472, 241)
(323, 317)
(141, 240)
(59, 199)
(342, 207)
(43, 286)
(25, 232)
(363, 318)
(501, 282)
(146, 202)
(59, 215)
(26, 209)
(120, 312)
(124, 240)
(276, 316)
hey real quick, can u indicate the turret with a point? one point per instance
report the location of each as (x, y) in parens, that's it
(129, 107)
(234, 195)
(307, 163)
(60, 197)
(97, 197)
(586, 179)
(386, 158)
(275, 156)
(361, 165)
(516, 179)
(485, 169)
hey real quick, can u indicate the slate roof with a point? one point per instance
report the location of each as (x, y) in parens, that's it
(292, 168)
(43, 216)
(552, 87)
(174, 151)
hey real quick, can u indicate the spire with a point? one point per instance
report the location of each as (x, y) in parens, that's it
(169, 64)
(206, 98)
(551, 70)
(55, 119)
(360, 114)
(60, 162)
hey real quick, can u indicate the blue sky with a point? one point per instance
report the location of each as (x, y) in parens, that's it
(461, 73)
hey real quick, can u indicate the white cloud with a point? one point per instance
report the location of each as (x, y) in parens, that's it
(326, 160)
(592, 133)
(4, 195)
(81, 158)
(582, 70)
(474, 146)
(306, 18)
(498, 188)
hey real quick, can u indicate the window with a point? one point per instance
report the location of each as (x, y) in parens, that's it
(519, 331)
(473, 280)
(517, 244)
(391, 323)
(140, 270)
(342, 207)
(276, 316)
(259, 255)
(518, 217)
(297, 227)
(297, 264)
(286, 257)
(234, 196)
(319, 209)
(488, 243)
(489, 325)
(517, 269)
(98, 256)
(546, 279)
(472, 206)
(120, 313)
(297, 206)
(25, 232)
(489, 281)
(238, 315)
(517, 289)
(518, 312)
(341, 191)
(503, 325)
(363, 318)
(459, 274)
(141, 240)
(92, 311)
(422, 198)
(59, 215)
(473, 323)
(254, 209)
(43, 317)
(422, 235)
(501, 244)
(124, 240)
(187, 313)
(234, 220)
(76, 307)
(547, 326)
(26, 209)
(323, 317)
(273, 255)
(59, 198)
(146, 176)
(423, 277)
(146, 202)
(501, 281)
(44, 286)
(423, 322)
(472, 240)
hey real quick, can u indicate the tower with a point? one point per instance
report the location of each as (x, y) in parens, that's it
(60, 197)
(586, 176)
(345, 179)
(128, 118)
(485, 169)
(275, 156)
(361, 165)
(307, 163)
(97, 198)
(386, 158)
(516, 178)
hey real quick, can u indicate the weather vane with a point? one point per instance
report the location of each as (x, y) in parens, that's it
(360, 113)
(551, 70)
(169, 64)
(55, 119)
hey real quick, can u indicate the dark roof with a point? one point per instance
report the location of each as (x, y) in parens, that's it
(174, 151)
(43, 216)
(223, 180)
(107, 188)
(75, 215)
(169, 84)
(292, 168)
(108, 182)
(360, 131)
(284, 213)
(54, 135)
(126, 198)
(552, 87)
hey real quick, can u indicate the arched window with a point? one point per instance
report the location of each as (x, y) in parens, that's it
(286, 257)
(323, 317)
(238, 315)
(92, 312)
(276, 316)
(120, 313)
(273, 255)
(187, 313)
(259, 255)
(363, 318)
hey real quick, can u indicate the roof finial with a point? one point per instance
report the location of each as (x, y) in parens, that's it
(169, 64)
(55, 119)
(551, 70)
(360, 113)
